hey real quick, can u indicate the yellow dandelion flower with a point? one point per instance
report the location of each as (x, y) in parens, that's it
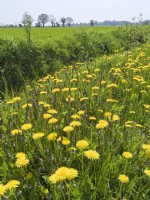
(123, 81)
(146, 106)
(15, 99)
(53, 121)
(47, 116)
(147, 172)
(20, 155)
(69, 98)
(14, 113)
(127, 155)
(68, 129)
(53, 178)
(103, 82)
(12, 184)
(71, 148)
(41, 103)
(82, 144)
(72, 173)
(84, 98)
(92, 154)
(75, 116)
(16, 132)
(3, 189)
(38, 135)
(43, 92)
(114, 85)
(29, 105)
(123, 178)
(95, 88)
(55, 90)
(81, 112)
(102, 124)
(26, 127)
(146, 147)
(75, 123)
(52, 111)
(92, 118)
(96, 70)
(139, 125)
(65, 141)
(21, 162)
(52, 136)
(65, 90)
(46, 105)
(73, 89)
(10, 102)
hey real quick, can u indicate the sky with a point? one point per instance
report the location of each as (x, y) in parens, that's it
(11, 11)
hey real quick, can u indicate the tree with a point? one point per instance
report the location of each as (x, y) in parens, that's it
(69, 21)
(63, 20)
(92, 22)
(43, 19)
(52, 20)
(27, 21)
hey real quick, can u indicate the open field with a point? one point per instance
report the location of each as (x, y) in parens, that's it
(48, 33)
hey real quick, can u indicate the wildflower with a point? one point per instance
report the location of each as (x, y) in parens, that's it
(114, 85)
(102, 124)
(73, 80)
(72, 173)
(27, 105)
(96, 70)
(46, 105)
(103, 82)
(16, 132)
(53, 121)
(123, 178)
(52, 111)
(47, 116)
(95, 88)
(65, 141)
(20, 155)
(2, 189)
(84, 98)
(73, 89)
(22, 161)
(69, 98)
(15, 99)
(147, 172)
(43, 92)
(65, 90)
(38, 135)
(29, 175)
(139, 125)
(75, 116)
(146, 106)
(82, 144)
(26, 127)
(81, 112)
(55, 90)
(53, 178)
(92, 118)
(146, 147)
(41, 103)
(127, 155)
(68, 129)
(12, 184)
(123, 81)
(72, 148)
(52, 136)
(75, 123)
(91, 154)
(10, 102)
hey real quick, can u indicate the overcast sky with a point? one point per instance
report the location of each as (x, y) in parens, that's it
(11, 11)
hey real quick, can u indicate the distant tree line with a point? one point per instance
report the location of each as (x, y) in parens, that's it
(43, 19)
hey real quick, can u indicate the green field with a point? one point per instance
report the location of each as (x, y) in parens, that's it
(48, 33)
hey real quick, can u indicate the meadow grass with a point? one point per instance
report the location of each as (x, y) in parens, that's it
(46, 34)
(81, 134)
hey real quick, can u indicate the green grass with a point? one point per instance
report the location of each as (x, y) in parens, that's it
(47, 33)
